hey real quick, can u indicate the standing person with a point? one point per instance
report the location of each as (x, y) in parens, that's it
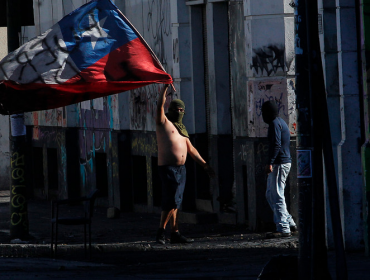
(277, 168)
(173, 147)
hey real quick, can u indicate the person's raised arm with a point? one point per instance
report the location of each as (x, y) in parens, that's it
(160, 106)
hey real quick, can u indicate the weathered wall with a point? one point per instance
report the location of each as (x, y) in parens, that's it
(4, 127)
(282, 91)
(3, 42)
(153, 21)
(94, 120)
(269, 74)
(48, 175)
(238, 69)
(269, 29)
(339, 44)
(365, 149)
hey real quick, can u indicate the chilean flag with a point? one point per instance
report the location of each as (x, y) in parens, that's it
(92, 52)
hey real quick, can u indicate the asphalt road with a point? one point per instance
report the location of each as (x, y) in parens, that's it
(164, 264)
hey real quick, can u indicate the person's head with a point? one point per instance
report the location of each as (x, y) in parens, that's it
(176, 110)
(269, 111)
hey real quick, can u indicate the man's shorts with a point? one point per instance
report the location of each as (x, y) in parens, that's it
(173, 180)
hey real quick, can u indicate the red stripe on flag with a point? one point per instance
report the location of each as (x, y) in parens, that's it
(17, 98)
(130, 62)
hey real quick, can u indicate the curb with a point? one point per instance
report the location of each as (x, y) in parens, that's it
(35, 250)
(43, 250)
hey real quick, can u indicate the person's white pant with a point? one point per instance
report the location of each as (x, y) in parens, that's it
(276, 182)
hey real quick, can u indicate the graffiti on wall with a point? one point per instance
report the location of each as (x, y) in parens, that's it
(292, 106)
(47, 136)
(90, 143)
(269, 60)
(144, 106)
(262, 91)
(52, 117)
(155, 26)
(158, 26)
(18, 205)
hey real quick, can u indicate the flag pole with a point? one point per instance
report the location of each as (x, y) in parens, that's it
(146, 44)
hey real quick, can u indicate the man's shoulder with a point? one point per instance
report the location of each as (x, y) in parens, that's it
(279, 121)
(165, 122)
(279, 124)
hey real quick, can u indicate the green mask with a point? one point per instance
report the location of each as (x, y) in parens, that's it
(176, 117)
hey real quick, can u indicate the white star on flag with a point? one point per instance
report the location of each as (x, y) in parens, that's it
(96, 32)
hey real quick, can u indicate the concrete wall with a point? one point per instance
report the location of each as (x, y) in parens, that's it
(4, 127)
(269, 29)
(364, 21)
(269, 66)
(156, 22)
(339, 45)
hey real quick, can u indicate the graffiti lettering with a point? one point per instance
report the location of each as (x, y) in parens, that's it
(262, 148)
(18, 201)
(89, 146)
(279, 103)
(17, 160)
(244, 153)
(144, 104)
(17, 174)
(269, 59)
(17, 218)
(159, 26)
(14, 188)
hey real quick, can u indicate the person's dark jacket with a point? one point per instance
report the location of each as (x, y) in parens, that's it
(279, 138)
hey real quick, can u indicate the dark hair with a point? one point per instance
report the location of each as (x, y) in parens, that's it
(269, 111)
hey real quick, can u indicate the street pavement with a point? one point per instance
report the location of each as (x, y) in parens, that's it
(124, 248)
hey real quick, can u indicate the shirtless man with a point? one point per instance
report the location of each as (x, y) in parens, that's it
(173, 147)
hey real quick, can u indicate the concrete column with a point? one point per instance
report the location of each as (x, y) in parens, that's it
(365, 153)
(349, 157)
(329, 54)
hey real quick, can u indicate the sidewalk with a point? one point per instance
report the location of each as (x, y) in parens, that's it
(131, 231)
(128, 243)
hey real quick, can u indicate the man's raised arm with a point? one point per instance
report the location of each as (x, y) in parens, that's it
(160, 106)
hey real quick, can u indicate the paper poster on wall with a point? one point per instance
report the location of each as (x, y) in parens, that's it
(304, 164)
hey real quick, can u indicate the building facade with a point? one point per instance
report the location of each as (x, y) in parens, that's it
(226, 59)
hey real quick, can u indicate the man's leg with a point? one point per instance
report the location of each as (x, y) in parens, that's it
(164, 173)
(174, 221)
(166, 216)
(275, 197)
(285, 169)
(176, 237)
